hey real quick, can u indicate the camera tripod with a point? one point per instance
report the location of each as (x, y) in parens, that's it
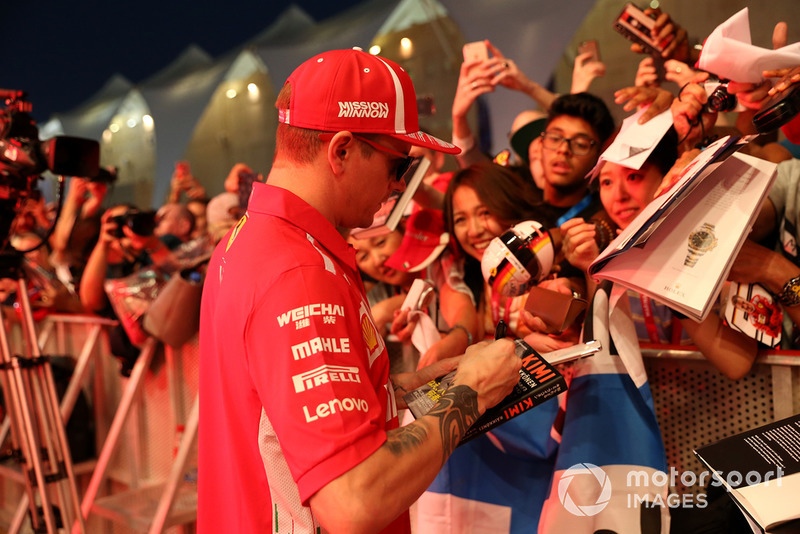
(38, 437)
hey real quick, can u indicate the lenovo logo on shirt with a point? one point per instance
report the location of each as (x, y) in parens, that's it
(320, 344)
(324, 374)
(336, 405)
(372, 110)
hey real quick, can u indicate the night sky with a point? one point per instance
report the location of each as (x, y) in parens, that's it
(61, 52)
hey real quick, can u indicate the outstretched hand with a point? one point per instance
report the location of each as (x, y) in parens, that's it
(585, 70)
(656, 100)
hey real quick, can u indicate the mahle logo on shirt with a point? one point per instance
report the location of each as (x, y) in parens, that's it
(320, 344)
(301, 316)
(371, 110)
(325, 374)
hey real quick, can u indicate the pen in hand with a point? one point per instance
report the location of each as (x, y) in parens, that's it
(500, 330)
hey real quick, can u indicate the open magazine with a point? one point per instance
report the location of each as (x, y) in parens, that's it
(680, 248)
(761, 470)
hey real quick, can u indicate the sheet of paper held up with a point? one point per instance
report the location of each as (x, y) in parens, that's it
(635, 141)
(729, 53)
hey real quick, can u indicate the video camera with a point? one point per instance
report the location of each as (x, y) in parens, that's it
(23, 157)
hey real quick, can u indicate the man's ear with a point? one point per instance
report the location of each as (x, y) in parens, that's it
(340, 150)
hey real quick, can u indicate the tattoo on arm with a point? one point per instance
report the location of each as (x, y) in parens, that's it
(406, 438)
(456, 410)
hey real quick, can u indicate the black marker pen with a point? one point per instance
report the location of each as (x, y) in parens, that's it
(500, 330)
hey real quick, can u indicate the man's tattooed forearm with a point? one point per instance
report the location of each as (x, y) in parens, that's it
(406, 438)
(457, 409)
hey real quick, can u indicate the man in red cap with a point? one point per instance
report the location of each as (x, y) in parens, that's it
(298, 418)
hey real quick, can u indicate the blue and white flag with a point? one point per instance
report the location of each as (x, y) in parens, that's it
(495, 483)
(609, 472)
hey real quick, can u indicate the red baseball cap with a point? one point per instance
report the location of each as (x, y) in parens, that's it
(350, 90)
(423, 241)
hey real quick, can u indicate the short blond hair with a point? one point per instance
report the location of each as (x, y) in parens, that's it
(296, 144)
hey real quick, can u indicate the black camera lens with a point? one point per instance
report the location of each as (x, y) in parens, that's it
(141, 223)
(721, 100)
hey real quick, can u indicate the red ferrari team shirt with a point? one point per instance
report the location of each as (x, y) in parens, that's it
(294, 377)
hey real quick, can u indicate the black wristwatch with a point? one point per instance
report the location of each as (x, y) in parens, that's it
(790, 294)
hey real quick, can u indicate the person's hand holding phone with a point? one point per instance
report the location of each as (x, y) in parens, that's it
(505, 71)
(669, 34)
(473, 81)
(587, 67)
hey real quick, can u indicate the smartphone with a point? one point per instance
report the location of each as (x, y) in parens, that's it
(419, 295)
(476, 50)
(575, 352)
(590, 46)
(778, 112)
(636, 26)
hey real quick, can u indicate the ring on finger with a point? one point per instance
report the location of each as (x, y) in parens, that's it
(474, 85)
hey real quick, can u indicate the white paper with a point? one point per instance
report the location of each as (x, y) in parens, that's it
(425, 333)
(773, 502)
(635, 142)
(729, 53)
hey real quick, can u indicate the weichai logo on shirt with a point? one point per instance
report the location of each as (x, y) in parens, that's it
(324, 374)
(320, 344)
(331, 407)
(372, 110)
(301, 316)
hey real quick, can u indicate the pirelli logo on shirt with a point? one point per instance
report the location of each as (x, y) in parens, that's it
(320, 344)
(324, 374)
(301, 316)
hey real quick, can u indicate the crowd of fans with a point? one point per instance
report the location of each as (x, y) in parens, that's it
(544, 177)
(68, 259)
(553, 147)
